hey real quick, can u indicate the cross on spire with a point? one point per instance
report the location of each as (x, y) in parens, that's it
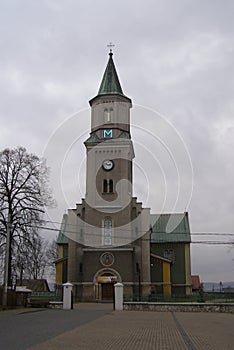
(110, 45)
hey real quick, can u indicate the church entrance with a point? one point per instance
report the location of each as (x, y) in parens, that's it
(106, 286)
(107, 291)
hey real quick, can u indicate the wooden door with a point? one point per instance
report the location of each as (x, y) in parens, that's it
(107, 291)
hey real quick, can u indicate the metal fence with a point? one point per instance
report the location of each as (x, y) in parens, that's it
(198, 297)
(43, 299)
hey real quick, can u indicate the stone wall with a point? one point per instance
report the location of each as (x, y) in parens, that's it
(179, 307)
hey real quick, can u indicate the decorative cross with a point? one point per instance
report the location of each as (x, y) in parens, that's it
(110, 45)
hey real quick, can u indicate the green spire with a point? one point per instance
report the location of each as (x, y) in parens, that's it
(110, 82)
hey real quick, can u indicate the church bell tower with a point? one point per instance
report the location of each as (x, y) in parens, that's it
(109, 147)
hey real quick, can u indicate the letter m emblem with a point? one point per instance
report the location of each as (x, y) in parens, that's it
(107, 133)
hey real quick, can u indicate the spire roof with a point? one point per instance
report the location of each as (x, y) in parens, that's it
(110, 82)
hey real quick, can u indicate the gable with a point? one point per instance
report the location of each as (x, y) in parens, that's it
(170, 228)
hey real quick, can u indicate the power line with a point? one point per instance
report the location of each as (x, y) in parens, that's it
(143, 239)
(212, 242)
(125, 230)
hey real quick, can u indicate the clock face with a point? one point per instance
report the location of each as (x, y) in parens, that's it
(108, 164)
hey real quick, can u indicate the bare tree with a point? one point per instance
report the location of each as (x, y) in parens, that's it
(24, 193)
(52, 256)
(35, 260)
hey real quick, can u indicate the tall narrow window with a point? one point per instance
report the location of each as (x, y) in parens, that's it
(171, 254)
(105, 186)
(107, 115)
(108, 186)
(81, 267)
(107, 231)
(136, 232)
(134, 213)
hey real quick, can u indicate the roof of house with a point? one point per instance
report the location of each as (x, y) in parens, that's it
(170, 228)
(196, 282)
(37, 285)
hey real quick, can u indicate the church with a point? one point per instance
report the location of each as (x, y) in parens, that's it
(109, 236)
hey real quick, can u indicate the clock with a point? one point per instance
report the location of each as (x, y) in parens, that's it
(108, 164)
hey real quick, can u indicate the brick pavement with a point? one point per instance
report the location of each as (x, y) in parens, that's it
(141, 330)
(209, 330)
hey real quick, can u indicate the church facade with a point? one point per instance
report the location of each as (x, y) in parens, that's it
(109, 237)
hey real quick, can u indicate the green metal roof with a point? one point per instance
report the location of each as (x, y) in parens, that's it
(62, 239)
(110, 82)
(170, 228)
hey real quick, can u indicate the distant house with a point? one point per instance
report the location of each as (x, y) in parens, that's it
(196, 284)
(40, 285)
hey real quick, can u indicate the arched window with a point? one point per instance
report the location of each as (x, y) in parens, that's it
(108, 231)
(108, 186)
(107, 115)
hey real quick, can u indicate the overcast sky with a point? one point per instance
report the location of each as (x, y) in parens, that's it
(175, 60)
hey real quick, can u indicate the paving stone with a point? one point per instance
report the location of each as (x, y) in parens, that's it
(141, 330)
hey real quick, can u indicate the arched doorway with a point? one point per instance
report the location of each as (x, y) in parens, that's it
(107, 282)
(104, 281)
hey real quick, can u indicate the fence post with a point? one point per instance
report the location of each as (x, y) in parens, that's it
(67, 296)
(118, 296)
